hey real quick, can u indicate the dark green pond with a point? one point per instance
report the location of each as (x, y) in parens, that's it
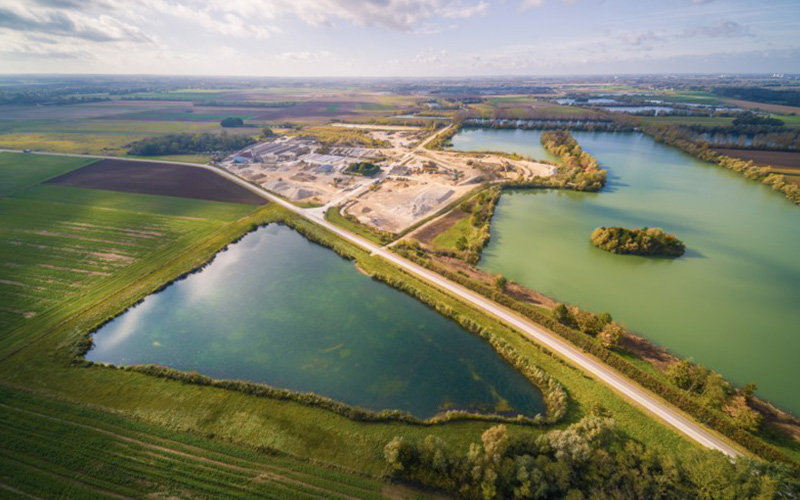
(732, 302)
(277, 309)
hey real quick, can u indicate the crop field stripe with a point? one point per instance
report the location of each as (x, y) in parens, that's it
(140, 461)
(131, 458)
(168, 458)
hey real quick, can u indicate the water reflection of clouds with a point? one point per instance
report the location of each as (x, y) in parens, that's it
(122, 328)
(205, 284)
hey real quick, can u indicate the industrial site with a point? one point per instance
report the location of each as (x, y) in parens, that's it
(413, 182)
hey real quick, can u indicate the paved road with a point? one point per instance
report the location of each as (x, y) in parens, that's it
(589, 364)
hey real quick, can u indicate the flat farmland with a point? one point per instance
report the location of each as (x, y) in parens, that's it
(188, 114)
(19, 171)
(162, 179)
(776, 159)
(93, 128)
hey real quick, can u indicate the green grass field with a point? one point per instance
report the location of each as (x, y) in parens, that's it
(446, 240)
(183, 116)
(20, 171)
(55, 450)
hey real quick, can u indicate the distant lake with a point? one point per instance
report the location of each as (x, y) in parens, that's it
(277, 309)
(732, 303)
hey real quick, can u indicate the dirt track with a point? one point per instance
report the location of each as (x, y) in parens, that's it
(157, 178)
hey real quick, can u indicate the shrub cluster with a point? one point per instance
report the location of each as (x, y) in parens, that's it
(444, 139)
(364, 168)
(480, 210)
(589, 459)
(172, 144)
(232, 122)
(638, 241)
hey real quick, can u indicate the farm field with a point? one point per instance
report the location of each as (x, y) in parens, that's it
(708, 121)
(56, 450)
(18, 172)
(775, 159)
(159, 179)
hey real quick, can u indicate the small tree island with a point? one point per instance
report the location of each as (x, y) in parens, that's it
(639, 241)
(365, 168)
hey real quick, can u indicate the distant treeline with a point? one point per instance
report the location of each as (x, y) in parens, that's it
(589, 125)
(245, 104)
(768, 96)
(589, 459)
(46, 99)
(173, 144)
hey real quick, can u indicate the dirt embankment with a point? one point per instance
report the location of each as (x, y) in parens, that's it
(515, 290)
(157, 178)
(427, 233)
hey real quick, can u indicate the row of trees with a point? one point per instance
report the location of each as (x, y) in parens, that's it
(480, 210)
(589, 459)
(638, 241)
(578, 170)
(365, 168)
(711, 389)
(675, 137)
(232, 121)
(172, 144)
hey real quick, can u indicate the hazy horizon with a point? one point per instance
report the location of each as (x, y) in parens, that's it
(399, 38)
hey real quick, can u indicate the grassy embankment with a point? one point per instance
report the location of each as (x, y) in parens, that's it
(470, 232)
(52, 449)
(52, 336)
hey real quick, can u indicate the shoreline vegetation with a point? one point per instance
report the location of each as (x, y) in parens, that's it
(553, 393)
(577, 171)
(647, 241)
(693, 388)
(589, 459)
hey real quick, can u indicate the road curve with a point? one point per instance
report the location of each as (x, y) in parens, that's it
(589, 364)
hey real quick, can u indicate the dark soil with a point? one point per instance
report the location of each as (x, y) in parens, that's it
(431, 231)
(159, 179)
(776, 159)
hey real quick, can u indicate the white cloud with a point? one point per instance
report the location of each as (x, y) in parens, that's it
(306, 55)
(725, 29)
(430, 56)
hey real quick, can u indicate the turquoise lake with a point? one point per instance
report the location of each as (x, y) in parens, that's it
(277, 309)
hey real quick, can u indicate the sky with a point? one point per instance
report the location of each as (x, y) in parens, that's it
(348, 38)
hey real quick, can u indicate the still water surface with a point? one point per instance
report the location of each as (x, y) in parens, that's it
(732, 302)
(278, 309)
